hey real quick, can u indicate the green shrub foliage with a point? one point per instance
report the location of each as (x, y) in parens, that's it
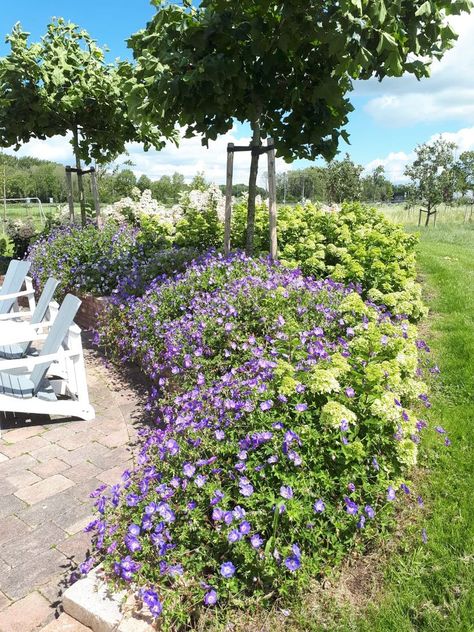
(354, 244)
(285, 426)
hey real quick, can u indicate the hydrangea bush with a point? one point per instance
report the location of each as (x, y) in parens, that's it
(352, 244)
(285, 425)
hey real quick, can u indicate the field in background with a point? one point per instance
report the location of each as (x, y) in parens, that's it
(446, 214)
(23, 211)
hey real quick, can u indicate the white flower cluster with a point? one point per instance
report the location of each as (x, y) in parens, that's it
(136, 205)
(199, 200)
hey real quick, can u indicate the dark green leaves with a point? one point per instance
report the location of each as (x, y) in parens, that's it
(289, 64)
(61, 83)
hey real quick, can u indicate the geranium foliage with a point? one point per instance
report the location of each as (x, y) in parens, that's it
(284, 429)
(96, 261)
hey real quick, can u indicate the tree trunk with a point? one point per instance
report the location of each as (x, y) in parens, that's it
(80, 184)
(252, 188)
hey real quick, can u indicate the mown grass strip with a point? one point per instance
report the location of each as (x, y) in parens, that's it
(430, 587)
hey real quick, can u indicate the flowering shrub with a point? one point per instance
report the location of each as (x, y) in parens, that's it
(201, 224)
(97, 261)
(21, 233)
(285, 426)
(130, 209)
(353, 244)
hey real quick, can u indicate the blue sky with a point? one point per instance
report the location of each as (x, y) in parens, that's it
(389, 120)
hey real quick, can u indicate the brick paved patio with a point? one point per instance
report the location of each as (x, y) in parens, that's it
(47, 470)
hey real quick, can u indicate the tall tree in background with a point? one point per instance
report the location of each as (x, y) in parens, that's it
(465, 172)
(62, 85)
(376, 187)
(284, 66)
(343, 182)
(432, 174)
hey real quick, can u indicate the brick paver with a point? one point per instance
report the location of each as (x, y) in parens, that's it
(48, 470)
(25, 615)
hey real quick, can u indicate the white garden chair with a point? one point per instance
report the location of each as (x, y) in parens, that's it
(40, 319)
(53, 382)
(11, 290)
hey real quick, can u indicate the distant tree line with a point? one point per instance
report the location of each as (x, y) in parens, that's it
(338, 181)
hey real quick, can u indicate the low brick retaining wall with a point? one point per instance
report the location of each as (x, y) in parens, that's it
(91, 308)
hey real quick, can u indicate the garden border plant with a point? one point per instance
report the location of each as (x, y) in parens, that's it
(285, 427)
(286, 406)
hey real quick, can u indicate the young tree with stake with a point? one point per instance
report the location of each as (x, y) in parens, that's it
(286, 67)
(62, 85)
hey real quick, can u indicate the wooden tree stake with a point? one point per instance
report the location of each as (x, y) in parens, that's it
(95, 195)
(228, 197)
(70, 198)
(272, 206)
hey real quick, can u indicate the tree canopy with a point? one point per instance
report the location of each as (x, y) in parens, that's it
(63, 84)
(286, 66)
(432, 173)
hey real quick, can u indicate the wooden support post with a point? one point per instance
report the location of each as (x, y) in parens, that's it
(272, 206)
(95, 195)
(228, 198)
(69, 194)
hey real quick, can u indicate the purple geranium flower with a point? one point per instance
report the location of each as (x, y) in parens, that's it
(234, 536)
(286, 492)
(227, 570)
(151, 600)
(369, 511)
(244, 527)
(210, 598)
(188, 469)
(319, 506)
(246, 488)
(292, 563)
(300, 408)
(256, 540)
(351, 507)
(390, 493)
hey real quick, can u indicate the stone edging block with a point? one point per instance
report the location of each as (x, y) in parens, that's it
(91, 602)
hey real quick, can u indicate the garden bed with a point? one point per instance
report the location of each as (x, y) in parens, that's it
(286, 406)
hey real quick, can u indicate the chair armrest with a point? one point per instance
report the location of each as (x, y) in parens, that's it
(30, 362)
(16, 335)
(8, 297)
(17, 315)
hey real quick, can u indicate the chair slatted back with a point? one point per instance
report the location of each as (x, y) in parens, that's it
(56, 336)
(14, 278)
(44, 300)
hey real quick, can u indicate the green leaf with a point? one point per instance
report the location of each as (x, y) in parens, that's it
(425, 9)
(386, 42)
(382, 10)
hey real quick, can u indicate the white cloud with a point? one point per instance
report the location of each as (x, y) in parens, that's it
(447, 94)
(56, 149)
(395, 162)
(464, 138)
(189, 158)
(394, 165)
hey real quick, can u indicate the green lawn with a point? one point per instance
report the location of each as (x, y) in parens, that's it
(430, 587)
(14, 211)
(446, 214)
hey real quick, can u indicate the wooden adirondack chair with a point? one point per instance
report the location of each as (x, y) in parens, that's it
(40, 319)
(54, 381)
(10, 291)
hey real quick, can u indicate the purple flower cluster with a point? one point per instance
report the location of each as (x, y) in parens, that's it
(239, 465)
